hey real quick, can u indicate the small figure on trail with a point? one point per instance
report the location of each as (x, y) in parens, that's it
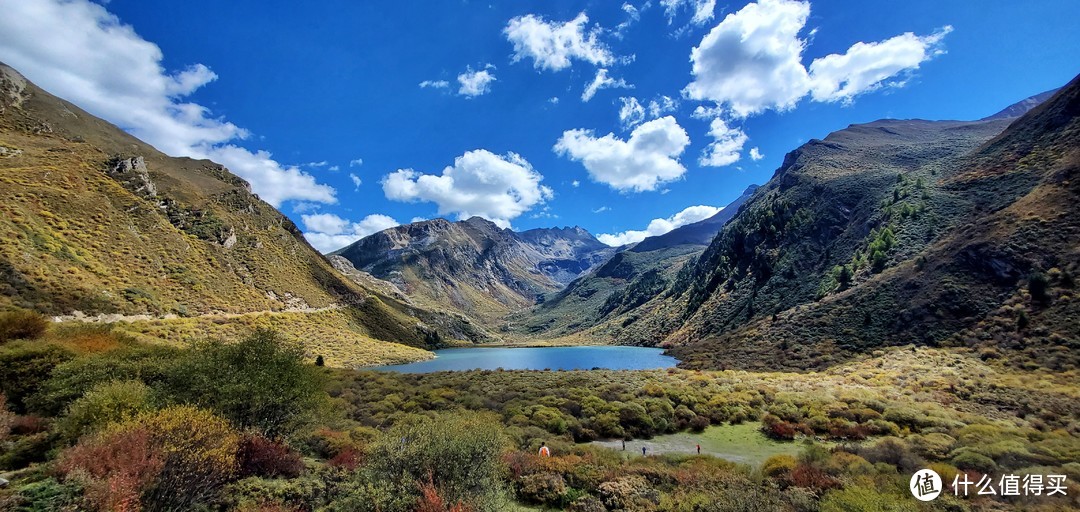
(643, 451)
(699, 449)
(624, 445)
(544, 450)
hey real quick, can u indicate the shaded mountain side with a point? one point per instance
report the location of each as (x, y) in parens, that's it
(474, 267)
(995, 272)
(614, 291)
(96, 221)
(697, 233)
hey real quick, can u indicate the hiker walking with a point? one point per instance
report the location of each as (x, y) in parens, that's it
(624, 445)
(699, 449)
(643, 451)
(544, 450)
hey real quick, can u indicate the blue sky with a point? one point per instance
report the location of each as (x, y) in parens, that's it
(698, 98)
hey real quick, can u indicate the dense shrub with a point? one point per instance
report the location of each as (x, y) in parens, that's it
(259, 456)
(172, 459)
(262, 382)
(106, 403)
(74, 378)
(116, 468)
(24, 367)
(22, 324)
(459, 455)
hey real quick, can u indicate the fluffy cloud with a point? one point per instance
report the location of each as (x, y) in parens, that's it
(355, 180)
(631, 113)
(106, 68)
(755, 154)
(496, 187)
(752, 61)
(356, 162)
(327, 232)
(603, 81)
(658, 227)
(475, 83)
(703, 9)
(647, 159)
(866, 66)
(552, 45)
(726, 145)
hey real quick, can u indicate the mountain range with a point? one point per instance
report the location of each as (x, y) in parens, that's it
(884, 233)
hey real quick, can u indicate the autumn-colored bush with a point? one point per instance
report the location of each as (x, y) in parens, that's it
(259, 456)
(778, 466)
(348, 459)
(431, 500)
(22, 324)
(172, 459)
(115, 468)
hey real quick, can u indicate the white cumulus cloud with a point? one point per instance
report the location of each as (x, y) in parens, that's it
(603, 81)
(755, 154)
(496, 187)
(726, 145)
(355, 180)
(649, 158)
(752, 61)
(475, 83)
(553, 45)
(327, 232)
(866, 66)
(656, 227)
(105, 67)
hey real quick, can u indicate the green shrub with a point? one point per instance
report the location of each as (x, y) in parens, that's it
(865, 499)
(458, 454)
(74, 378)
(1039, 287)
(22, 324)
(24, 367)
(106, 403)
(967, 459)
(262, 382)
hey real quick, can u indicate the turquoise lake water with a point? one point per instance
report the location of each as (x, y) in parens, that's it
(539, 358)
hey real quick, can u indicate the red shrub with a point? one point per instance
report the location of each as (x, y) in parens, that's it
(813, 477)
(29, 425)
(114, 468)
(348, 458)
(431, 501)
(259, 456)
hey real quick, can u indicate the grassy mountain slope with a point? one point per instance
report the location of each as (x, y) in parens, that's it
(98, 222)
(931, 233)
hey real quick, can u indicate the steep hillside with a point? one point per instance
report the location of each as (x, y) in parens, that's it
(473, 266)
(614, 290)
(898, 232)
(97, 222)
(698, 233)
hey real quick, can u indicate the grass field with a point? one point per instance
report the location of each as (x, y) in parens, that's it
(743, 444)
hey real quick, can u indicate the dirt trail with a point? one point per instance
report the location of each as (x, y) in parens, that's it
(79, 316)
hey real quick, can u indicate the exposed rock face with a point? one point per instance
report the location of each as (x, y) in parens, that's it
(474, 266)
(133, 175)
